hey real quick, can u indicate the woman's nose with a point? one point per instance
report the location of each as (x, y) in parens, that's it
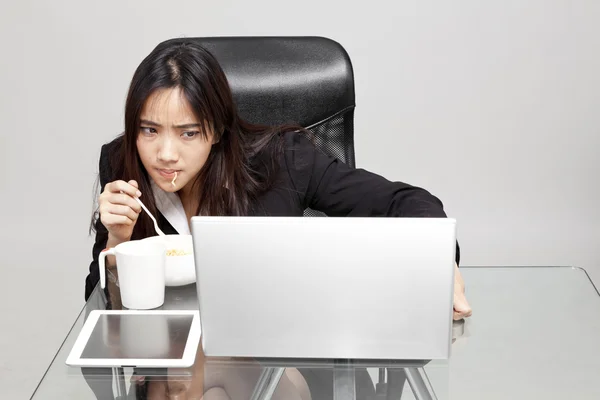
(167, 151)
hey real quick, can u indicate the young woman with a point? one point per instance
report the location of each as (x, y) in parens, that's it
(186, 151)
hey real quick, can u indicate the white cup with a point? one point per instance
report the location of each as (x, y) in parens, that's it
(141, 269)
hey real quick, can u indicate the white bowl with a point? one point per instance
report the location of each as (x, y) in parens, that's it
(179, 269)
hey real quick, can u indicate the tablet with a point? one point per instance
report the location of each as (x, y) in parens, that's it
(129, 338)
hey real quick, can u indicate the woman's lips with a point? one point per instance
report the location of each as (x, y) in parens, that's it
(168, 173)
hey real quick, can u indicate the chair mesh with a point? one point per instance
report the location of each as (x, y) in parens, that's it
(335, 137)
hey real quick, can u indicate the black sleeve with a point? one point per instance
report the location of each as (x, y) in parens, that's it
(334, 188)
(93, 277)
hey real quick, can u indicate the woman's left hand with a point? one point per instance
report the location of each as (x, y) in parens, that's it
(462, 309)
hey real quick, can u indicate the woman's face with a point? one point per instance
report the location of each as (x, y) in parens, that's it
(170, 142)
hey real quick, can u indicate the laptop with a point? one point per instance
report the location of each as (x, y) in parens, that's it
(326, 288)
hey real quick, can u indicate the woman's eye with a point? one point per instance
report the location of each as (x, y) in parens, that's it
(190, 134)
(147, 130)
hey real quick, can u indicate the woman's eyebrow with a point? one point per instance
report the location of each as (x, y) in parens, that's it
(187, 126)
(148, 122)
(182, 126)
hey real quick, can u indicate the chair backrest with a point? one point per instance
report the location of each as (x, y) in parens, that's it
(303, 80)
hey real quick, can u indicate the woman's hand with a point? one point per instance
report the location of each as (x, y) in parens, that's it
(462, 309)
(118, 209)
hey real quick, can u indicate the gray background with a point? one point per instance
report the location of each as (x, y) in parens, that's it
(492, 106)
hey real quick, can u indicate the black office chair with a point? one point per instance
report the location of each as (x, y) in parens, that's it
(302, 80)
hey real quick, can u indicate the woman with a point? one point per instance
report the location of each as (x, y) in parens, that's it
(185, 142)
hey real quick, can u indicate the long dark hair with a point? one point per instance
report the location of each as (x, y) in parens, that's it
(242, 163)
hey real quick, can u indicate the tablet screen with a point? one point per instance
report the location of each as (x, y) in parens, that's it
(138, 336)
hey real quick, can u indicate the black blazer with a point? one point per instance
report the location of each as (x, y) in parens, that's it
(307, 178)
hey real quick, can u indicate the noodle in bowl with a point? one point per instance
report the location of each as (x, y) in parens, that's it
(179, 265)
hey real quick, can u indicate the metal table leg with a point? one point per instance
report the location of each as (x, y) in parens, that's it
(395, 385)
(119, 375)
(267, 383)
(344, 381)
(381, 387)
(419, 383)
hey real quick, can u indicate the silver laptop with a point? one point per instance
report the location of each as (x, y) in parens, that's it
(342, 288)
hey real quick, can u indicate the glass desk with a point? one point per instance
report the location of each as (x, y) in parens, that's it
(535, 333)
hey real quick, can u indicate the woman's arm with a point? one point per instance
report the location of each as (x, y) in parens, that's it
(330, 186)
(337, 189)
